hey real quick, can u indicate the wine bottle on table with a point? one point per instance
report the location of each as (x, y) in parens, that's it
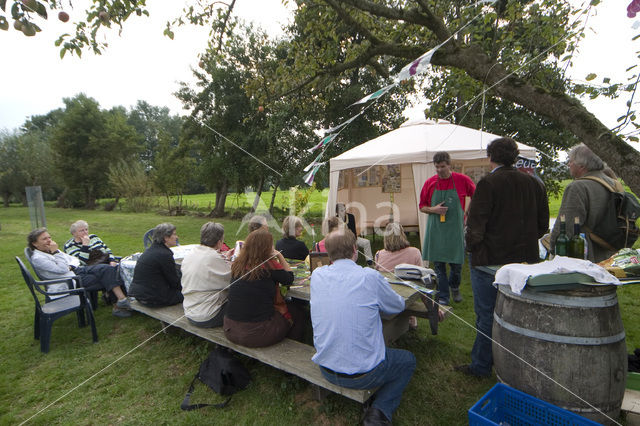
(576, 244)
(562, 242)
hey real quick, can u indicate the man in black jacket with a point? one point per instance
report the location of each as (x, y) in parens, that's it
(509, 212)
(155, 277)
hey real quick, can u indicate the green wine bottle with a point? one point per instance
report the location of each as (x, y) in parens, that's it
(576, 244)
(562, 242)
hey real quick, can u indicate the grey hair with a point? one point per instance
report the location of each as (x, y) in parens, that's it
(77, 224)
(583, 156)
(256, 222)
(289, 225)
(211, 233)
(32, 237)
(161, 231)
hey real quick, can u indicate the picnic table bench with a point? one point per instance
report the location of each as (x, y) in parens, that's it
(288, 355)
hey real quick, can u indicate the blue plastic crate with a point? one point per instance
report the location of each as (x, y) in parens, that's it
(504, 405)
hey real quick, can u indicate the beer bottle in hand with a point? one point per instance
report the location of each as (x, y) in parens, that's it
(562, 242)
(576, 244)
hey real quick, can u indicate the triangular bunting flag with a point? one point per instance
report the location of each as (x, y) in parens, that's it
(313, 163)
(339, 126)
(323, 142)
(374, 95)
(308, 178)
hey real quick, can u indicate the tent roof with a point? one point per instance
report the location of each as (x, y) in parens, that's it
(416, 141)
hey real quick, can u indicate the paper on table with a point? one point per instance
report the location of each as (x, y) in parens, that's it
(516, 274)
(414, 286)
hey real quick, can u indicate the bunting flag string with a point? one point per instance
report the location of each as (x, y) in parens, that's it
(375, 95)
(314, 162)
(326, 140)
(418, 66)
(341, 125)
(308, 178)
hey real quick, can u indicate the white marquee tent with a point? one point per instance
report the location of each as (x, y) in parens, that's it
(391, 169)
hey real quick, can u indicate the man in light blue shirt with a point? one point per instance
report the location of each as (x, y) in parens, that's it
(346, 303)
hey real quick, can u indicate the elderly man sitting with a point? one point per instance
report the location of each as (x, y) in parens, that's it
(50, 263)
(82, 244)
(206, 274)
(346, 303)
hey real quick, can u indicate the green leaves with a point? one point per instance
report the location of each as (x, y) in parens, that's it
(590, 76)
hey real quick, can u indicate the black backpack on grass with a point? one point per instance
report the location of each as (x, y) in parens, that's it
(223, 373)
(618, 228)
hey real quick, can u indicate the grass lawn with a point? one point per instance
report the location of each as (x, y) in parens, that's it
(136, 375)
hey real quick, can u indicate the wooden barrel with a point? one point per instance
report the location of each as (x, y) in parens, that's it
(570, 338)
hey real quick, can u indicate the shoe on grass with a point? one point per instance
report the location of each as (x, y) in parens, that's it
(467, 371)
(123, 304)
(457, 297)
(121, 313)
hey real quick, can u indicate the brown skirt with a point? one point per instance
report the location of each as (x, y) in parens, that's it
(257, 334)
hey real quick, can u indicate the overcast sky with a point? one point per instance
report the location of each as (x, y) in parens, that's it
(143, 64)
(140, 64)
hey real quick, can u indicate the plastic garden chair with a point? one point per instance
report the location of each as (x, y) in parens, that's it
(93, 294)
(76, 300)
(147, 241)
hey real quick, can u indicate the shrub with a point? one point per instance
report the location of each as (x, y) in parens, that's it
(130, 181)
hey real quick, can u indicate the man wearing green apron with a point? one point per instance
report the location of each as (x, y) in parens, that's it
(443, 199)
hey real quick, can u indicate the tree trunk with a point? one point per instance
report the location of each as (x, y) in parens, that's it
(5, 199)
(561, 108)
(273, 196)
(256, 200)
(221, 199)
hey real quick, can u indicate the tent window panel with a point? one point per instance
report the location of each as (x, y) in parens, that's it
(366, 176)
(342, 179)
(391, 178)
(477, 172)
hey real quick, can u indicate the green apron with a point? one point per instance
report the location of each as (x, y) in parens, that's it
(444, 241)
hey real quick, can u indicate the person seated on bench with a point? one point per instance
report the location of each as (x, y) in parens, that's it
(206, 274)
(289, 245)
(397, 250)
(89, 248)
(50, 263)
(155, 277)
(350, 220)
(256, 222)
(329, 225)
(251, 318)
(346, 303)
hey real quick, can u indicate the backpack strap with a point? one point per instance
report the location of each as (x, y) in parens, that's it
(594, 237)
(598, 240)
(188, 407)
(617, 188)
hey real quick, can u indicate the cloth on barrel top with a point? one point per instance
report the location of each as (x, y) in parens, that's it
(516, 275)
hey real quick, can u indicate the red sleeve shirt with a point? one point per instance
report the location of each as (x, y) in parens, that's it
(463, 184)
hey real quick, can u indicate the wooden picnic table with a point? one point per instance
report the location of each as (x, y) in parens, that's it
(393, 326)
